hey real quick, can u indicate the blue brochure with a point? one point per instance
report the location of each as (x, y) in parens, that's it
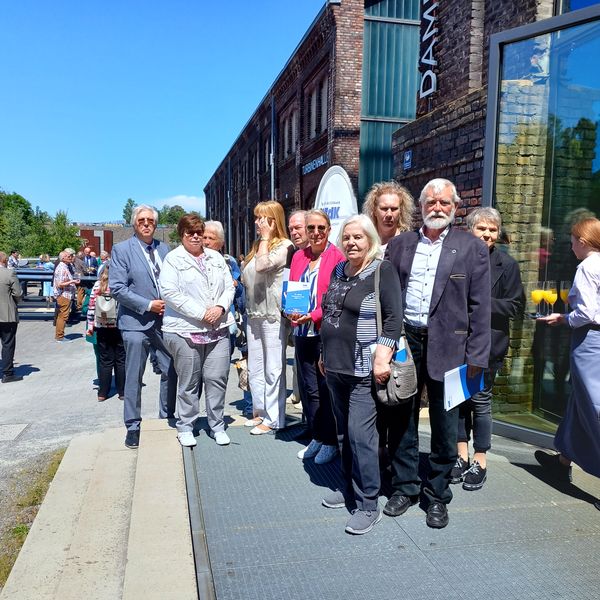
(458, 388)
(296, 298)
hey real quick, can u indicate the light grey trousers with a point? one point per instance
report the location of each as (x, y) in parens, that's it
(197, 365)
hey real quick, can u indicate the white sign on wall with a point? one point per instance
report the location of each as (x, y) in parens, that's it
(335, 197)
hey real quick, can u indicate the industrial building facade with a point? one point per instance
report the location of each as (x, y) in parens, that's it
(349, 84)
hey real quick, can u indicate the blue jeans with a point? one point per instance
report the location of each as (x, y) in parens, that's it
(403, 434)
(355, 416)
(475, 415)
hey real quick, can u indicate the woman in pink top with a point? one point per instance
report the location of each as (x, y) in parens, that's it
(314, 266)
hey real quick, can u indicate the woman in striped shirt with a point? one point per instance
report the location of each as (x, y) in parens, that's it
(314, 265)
(355, 353)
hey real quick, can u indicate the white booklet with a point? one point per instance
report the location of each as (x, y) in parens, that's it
(458, 388)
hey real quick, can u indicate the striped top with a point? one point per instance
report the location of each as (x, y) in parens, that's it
(310, 277)
(349, 327)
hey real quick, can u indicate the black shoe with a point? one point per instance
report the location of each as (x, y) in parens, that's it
(10, 378)
(458, 470)
(474, 477)
(437, 515)
(132, 439)
(397, 505)
(552, 464)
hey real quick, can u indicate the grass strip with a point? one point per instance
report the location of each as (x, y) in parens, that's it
(24, 508)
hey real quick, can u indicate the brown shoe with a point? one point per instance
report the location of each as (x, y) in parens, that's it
(101, 398)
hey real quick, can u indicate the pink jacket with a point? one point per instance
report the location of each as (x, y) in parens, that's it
(330, 257)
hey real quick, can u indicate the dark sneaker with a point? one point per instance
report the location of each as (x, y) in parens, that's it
(437, 515)
(552, 464)
(11, 378)
(132, 439)
(362, 521)
(458, 470)
(474, 477)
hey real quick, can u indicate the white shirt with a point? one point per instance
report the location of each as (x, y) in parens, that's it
(422, 277)
(152, 267)
(584, 297)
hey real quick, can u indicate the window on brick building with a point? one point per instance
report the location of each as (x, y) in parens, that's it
(267, 155)
(316, 106)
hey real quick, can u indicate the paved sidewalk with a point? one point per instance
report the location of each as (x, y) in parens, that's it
(269, 537)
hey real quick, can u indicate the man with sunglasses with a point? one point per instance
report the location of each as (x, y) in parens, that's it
(134, 282)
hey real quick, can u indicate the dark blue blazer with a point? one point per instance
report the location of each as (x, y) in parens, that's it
(459, 314)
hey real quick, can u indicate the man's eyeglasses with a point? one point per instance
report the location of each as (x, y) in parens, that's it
(319, 228)
(189, 234)
(146, 221)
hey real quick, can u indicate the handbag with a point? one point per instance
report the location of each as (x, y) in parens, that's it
(402, 384)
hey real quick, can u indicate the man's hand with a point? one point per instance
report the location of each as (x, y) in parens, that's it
(213, 314)
(473, 371)
(322, 367)
(158, 307)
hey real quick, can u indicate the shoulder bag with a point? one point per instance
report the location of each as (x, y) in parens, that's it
(402, 384)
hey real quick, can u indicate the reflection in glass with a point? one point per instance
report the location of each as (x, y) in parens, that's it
(547, 177)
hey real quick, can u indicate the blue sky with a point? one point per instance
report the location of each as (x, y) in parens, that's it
(103, 100)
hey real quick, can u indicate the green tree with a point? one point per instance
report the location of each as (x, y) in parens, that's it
(62, 234)
(128, 209)
(13, 228)
(170, 215)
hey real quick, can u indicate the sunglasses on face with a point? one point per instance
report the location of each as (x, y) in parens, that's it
(190, 234)
(319, 228)
(145, 221)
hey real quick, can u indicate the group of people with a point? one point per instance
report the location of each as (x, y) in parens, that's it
(448, 293)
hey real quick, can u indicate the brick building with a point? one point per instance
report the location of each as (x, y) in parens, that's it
(508, 108)
(334, 103)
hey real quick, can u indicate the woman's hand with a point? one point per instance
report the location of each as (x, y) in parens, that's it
(553, 319)
(301, 319)
(321, 366)
(266, 228)
(381, 363)
(381, 371)
(213, 314)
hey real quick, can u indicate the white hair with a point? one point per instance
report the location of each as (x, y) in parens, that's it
(367, 226)
(438, 185)
(218, 228)
(141, 207)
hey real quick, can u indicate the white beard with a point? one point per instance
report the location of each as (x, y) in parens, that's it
(438, 220)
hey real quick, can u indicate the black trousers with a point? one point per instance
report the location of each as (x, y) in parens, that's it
(8, 337)
(403, 433)
(111, 357)
(314, 393)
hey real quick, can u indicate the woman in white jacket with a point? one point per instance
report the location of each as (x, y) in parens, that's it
(196, 285)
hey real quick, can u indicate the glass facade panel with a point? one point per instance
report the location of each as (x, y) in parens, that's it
(394, 9)
(547, 176)
(569, 5)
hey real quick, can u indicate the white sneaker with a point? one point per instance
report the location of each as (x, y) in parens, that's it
(253, 422)
(326, 454)
(186, 439)
(310, 451)
(221, 438)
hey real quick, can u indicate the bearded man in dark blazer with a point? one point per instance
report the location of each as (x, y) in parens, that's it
(445, 276)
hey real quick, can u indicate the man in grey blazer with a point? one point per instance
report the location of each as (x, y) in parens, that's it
(10, 294)
(133, 280)
(445, 277)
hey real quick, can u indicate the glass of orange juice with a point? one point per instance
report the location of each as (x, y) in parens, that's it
(565, 288)
(537, 295)
(550, 293)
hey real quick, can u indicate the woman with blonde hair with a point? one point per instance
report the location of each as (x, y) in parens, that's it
(390, 207)
(578, 436)
(270, 254)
